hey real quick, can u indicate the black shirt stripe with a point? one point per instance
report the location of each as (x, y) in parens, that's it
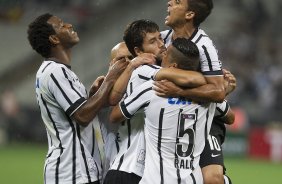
(46, 67)
(66, 76)
(160, 144)
(76, 104)
(200, 37)
(194, 33)
(120, 162)
(193, 178)
(206, 126)
(83, 153)
(143, 77)
(208, 57)
(137, 96)
(177, 141)
(167, 35)
(58, 137)
(73, 150)
(62, 91)
(124, 110)
(128, 132)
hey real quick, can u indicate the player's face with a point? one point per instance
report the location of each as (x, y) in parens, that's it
(153, 43)
(64, 32)
(176, 12)
(166, 58)
(121, 52)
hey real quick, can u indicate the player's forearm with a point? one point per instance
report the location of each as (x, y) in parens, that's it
(87, 112)
(181, 77)
(116, 116)
(120, 85)
(230, 117)
(205, 93)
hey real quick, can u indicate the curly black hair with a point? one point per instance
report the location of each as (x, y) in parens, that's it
(189, 59)
(135, 33)
(38, 35)
(202, 9)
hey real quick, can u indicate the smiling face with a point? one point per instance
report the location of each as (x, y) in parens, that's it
(65, 35)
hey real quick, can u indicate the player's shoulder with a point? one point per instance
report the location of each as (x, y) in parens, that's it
(48, 67)
(145, 69)
(166, 33)
(202, 38)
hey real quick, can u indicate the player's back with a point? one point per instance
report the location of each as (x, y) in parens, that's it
(175, 132)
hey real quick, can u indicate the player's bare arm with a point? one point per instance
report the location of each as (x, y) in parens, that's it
(96, 85)
(120, 85)
(229, 81)
(210, 92)
(94, 103)
(229, 118)
(181, 77)
(116, 115)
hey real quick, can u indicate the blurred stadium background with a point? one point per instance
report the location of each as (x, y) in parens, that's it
(247, 34)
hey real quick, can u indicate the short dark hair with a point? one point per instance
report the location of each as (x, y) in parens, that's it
(202, 9)
(189, 57)
(38, 35)
(135, 32)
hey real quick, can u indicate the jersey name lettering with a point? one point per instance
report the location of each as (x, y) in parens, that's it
(179, 101)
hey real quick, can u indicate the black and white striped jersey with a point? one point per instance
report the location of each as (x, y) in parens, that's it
(129, 141)
(210, 63)
(72, 149)
(175, 132)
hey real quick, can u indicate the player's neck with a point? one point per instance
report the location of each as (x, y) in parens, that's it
(61, 56)
(185, 31)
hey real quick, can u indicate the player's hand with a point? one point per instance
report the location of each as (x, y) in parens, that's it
(165, 88)
(96, 85)
(117, 68)
(144, 58)
(229, 81)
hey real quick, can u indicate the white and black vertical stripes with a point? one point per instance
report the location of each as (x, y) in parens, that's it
(193, 178)
(177, 141)
(59, 94)
(83, 153)
(73, 149)
(58, 137)
(141, 93)
(208, 57)
(167, 35)
(160, 144)
(62, 91)
(66, 76)
(195, 130)
(210, 63)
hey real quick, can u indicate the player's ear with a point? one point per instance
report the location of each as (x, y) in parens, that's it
(189, 15)
(173, 65)
(54, 39)
(137, 51)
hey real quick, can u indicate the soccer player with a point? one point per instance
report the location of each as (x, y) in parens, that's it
(66, 110)
(185, 17)
(175, 128)
(142, 37)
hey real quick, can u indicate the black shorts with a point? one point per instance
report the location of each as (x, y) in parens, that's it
(212, 153)
(120, 177)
